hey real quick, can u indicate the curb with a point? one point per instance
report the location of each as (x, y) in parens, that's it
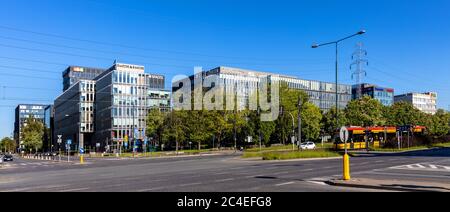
(375, 187)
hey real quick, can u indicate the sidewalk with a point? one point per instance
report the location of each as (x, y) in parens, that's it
(393, 185)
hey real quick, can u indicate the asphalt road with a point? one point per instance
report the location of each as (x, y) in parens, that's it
(224, 173)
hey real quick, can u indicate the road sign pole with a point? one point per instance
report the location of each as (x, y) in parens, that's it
(344, 135)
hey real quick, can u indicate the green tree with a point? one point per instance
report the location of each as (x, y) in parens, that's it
(199, 125)
(289, 102)
(439, 125)
(365, 112)
(311, 121)
(32, 134)
(404, 113)
(7, 145)
(220, 127)
(175, 128)
(329, 123)
(155, 124)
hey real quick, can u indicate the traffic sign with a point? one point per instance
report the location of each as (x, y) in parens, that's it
(81, 150)
(344, 135)
(59, 141)
(69, 142)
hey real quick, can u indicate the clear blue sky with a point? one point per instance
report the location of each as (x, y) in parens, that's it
(408, 41)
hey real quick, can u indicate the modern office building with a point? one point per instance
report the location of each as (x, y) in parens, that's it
(322, 94)
(74, 114)
(425, 102)
(49, 128)
(384, 95)
(110, 109)
(22, 114)
(73, 74)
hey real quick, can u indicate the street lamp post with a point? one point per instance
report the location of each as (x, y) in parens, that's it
(336, 44)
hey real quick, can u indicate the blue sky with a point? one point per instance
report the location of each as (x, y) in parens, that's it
(407, 41)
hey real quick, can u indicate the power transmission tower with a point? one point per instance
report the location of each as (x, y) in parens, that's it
(359, 62)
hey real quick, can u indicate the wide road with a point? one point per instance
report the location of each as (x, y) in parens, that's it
(223, 173)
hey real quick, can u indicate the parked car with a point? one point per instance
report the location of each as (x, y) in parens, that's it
(8, 158)
(51, 154)
(308, 146)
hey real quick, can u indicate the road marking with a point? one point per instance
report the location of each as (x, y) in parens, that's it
(151, 189)
(317, 182)
(420, 166)
(190, 184)
(75, 189)
(307, 170)
(224, 180)
(283, 184)
(433, 166)
(15, 190)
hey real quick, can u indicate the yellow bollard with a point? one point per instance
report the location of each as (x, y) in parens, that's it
(346, 167)
(81, 159)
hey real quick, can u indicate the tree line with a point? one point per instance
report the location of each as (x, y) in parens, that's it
(214, 129)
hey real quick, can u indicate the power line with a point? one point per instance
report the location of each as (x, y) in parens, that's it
(131, 55)
(133, 47)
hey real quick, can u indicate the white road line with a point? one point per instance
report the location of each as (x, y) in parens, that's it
(75, 189)
(190, 184)
(433, 166)
(283, 184)
(15, 190)
(420, 166)
(307, 170)
(224, 180)
(150, 189)
(317, 182)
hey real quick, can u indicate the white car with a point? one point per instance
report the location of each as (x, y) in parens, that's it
(308, 146)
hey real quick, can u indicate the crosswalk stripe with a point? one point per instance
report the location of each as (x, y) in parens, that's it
(420, 166)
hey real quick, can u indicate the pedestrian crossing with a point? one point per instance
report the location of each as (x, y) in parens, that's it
(31, 164)
(423, 167)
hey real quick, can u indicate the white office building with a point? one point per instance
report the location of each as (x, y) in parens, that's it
(425, 102)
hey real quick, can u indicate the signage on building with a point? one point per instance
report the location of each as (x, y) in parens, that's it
(78, 69)
(128, 67)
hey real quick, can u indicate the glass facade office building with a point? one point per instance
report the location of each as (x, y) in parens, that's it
(125, 94)
(110, 108)
(74, 74)
(322, 94)
(384, 95)
(22, 113)
(74, 114)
